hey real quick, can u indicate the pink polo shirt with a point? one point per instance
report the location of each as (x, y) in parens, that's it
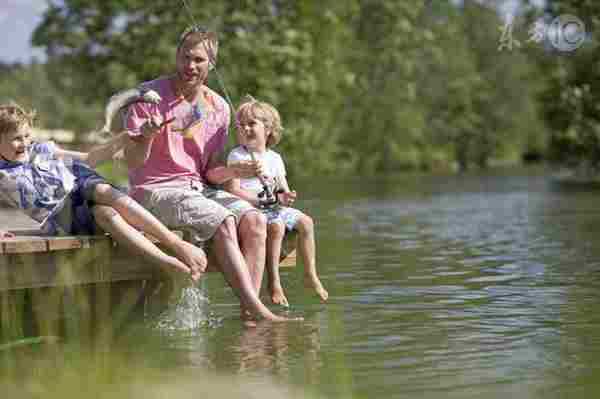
(181, 150)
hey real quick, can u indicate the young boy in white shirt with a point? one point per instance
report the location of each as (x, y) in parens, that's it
(258, 129)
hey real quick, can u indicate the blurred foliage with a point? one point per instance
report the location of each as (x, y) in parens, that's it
(362, 86)
(571, 100)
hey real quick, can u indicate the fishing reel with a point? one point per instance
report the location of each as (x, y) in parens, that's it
(267, 199)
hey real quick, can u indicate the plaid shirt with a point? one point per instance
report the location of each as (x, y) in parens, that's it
(40, 187)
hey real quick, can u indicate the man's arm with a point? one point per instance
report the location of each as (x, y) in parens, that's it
(137, 150)
(218, 172)
(233, 186)
(138, 147)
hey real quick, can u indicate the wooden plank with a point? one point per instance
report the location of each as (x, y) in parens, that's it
(24, 245)
(26, 242)
(72, 242)
(289, 260)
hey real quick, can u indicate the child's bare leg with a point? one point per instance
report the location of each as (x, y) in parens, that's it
(138, 217)
(275, 233)
(234, 269)
(122, 232)
(306, 245)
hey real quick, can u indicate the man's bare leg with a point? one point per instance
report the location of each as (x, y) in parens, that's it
(138, 217)
(252, 232)
(234, 269)
(275, 234)
(122, 232)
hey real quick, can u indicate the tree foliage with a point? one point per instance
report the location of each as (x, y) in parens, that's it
(363, 85)
(571, 101)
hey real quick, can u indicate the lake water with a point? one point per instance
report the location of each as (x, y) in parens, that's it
(481, 285)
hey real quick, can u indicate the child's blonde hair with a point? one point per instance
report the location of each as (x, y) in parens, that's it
(265, 112)
(13, 117)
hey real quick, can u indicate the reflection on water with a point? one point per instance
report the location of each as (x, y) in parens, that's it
(440, 286)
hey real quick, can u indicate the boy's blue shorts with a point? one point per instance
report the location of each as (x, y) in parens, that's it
(288, 216)
(76, 217)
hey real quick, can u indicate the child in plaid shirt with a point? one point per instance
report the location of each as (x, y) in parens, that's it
(58, 189)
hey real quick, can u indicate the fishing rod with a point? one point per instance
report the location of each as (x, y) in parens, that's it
(266, 198)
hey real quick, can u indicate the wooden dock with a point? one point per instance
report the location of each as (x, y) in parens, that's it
(33, 261)
(43, 279)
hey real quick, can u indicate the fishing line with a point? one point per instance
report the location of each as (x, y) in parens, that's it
(212, 56)
(270, 198)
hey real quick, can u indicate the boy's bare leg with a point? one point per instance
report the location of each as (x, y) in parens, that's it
(122, 232)
(138, 217)
(252, 232)
(306, 245)
(234, 269)
(275, 233)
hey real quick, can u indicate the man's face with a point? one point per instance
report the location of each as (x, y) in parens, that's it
(13, 146)
(192, 63)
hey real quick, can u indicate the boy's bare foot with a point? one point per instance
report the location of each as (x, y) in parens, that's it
(173, 264)
(315, 283)
(193, 256)
(278, 297)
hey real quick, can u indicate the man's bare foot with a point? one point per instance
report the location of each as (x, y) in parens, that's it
(193, 256)
(315, 283)
(281, 319)
(278, 297)
(248, 319)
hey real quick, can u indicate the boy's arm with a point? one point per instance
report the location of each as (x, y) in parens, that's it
(282, 183)
(97, 154)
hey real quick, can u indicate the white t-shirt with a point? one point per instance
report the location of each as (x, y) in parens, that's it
(272, 162)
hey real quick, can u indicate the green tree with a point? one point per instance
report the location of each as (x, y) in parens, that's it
(570, 103)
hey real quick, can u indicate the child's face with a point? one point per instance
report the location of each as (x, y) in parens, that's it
(252, 133)
(13, 146)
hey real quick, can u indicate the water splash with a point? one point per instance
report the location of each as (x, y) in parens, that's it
(188, 313)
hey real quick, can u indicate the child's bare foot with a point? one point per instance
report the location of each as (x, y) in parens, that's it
(173, 264)
(278, 297)
(315, 283)
(193, 256)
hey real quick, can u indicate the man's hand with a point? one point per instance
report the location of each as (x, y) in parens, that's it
(153, 126)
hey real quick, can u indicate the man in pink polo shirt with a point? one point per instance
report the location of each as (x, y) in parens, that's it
(176, 152)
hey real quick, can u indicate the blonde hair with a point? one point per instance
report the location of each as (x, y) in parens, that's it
(196, 34)
(13, 117)
(265, 112)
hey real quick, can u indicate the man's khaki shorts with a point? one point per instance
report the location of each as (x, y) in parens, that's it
(197, 210)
